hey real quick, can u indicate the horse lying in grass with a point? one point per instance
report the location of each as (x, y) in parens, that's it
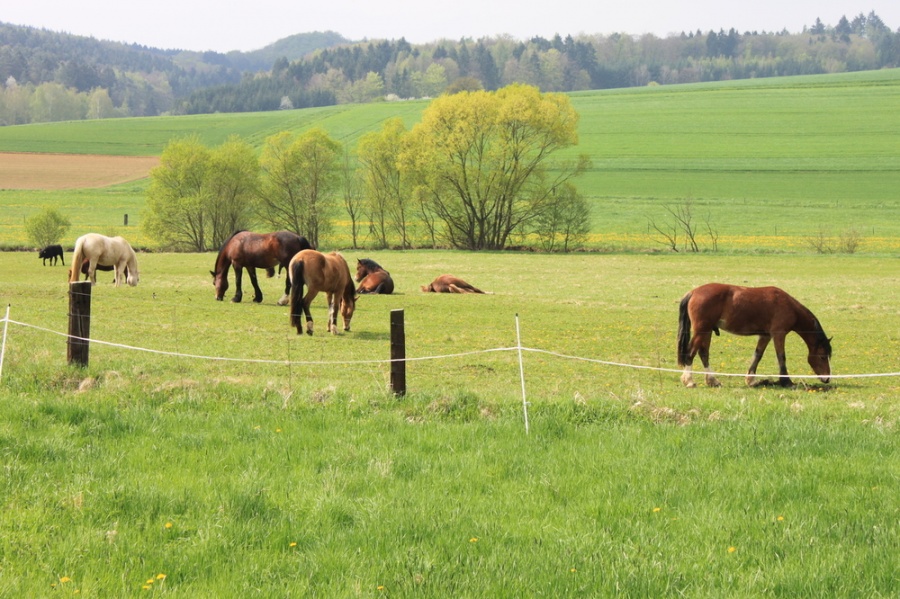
(450, 284)
(767, 312)
(52, 253)
(100, 250)
(321, 272)
(372, 278)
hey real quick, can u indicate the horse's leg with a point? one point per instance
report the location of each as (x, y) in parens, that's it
(117, 270)
(700, 345)
(286, 298)
(784, 380)
(334, 301)
(307, 302)
(92, 272)
(257, 292)
(238, 278)
(761, 346)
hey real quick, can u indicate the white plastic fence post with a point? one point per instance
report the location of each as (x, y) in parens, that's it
(522, 373)
(3, 344)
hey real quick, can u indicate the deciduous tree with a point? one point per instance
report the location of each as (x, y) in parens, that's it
(483, 161)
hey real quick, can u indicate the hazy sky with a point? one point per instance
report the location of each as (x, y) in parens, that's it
(252, 24)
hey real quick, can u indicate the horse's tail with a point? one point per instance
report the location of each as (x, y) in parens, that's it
(77, 260)
(684, 331)
(296, 274)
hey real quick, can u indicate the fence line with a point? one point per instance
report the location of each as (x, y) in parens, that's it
(517, 348)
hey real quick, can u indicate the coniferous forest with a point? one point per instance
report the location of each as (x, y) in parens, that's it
(49, 76)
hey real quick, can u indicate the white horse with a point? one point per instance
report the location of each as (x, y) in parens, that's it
(104, 251)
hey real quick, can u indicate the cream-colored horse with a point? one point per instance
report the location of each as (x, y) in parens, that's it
(105, 251)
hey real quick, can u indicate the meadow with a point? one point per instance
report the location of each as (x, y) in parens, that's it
(209, 451)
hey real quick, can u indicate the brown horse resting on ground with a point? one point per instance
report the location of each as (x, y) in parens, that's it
(321, 272)
(765, 311)
(100, 250)
(250, 250)
(449, 284)
(372, 278)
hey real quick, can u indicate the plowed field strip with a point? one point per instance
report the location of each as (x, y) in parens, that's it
(70, 171)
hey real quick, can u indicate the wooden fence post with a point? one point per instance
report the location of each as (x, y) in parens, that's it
(398, 353)
(79, 322)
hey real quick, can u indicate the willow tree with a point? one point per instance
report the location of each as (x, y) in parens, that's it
(486, 163)
(301, 177)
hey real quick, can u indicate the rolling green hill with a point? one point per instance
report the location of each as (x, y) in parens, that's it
(768, 163)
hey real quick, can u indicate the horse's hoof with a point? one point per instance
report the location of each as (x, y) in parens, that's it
(309, 333)
(235, 300)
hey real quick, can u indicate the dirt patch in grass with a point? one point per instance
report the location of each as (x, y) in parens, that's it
(20, 170)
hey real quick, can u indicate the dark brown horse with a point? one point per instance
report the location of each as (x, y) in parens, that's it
(251, 251)
(321, 272)
(767, 312)
(449, 284)
(372, 278)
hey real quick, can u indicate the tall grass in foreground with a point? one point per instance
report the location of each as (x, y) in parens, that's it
(147, 473)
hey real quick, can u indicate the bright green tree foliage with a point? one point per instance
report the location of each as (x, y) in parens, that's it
(46, 227)
(199, 196)
(483, 161)
(301, 177)
(388, 194)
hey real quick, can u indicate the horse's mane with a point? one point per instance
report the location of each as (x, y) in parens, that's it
(370, 264)
(822, 340)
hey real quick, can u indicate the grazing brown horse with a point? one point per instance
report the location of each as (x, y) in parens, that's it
(321, 272)
(449, 284)
(372, 278)
(250, 250)
(767, 312)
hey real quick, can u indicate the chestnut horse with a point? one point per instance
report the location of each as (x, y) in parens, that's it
(767, 312)
(449, 284)
(372, 278)
(100, 250)
(321, 272)
(251, 251)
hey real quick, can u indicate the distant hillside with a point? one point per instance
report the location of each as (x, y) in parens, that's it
(293, 47)
(52, 76)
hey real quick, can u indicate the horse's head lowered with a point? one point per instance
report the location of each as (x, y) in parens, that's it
(219, 282)
(820, 354)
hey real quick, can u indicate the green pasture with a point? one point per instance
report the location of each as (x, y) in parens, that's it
(770, 164)
(285, 467)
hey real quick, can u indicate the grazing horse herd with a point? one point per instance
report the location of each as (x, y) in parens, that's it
(766, 312)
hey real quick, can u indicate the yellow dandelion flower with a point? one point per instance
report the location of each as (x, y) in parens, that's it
(160, 576)
(473, 540)
(573, 570)
(150, 581)
(293, 544)
(146, 587)
(732, 549)
(656, 509)
(780, 518)
(277, 430)
(65, 579)
(380, 587)
(168, 525)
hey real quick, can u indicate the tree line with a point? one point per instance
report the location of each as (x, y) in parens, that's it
(479, 172)
(46, 76)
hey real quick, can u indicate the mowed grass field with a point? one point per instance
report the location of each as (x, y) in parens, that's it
(210, 451)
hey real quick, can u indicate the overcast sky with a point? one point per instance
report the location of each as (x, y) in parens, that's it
(252, 24)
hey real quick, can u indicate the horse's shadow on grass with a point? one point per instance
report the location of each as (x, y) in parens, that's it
(370, 336)
(775, 384)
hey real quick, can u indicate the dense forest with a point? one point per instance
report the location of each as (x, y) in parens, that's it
(47, 76)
